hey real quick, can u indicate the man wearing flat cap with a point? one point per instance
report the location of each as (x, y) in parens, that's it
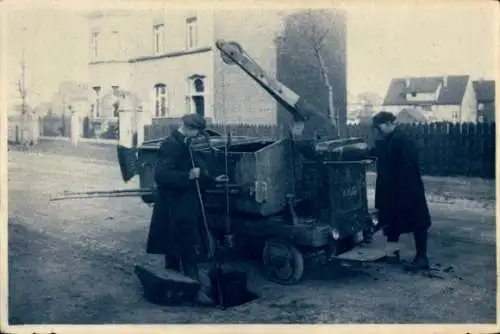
(399, 193)
(175, 230)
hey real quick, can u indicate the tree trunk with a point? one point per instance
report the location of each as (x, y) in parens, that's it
(331, 108)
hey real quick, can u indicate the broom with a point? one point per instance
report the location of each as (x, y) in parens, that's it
(212, 252)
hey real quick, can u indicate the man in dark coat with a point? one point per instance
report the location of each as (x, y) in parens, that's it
(176, 228)
(399, 194)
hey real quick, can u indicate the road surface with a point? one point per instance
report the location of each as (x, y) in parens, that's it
(71, 262)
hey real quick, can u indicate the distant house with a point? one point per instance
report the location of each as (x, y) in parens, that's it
(411, 116)
(485, 96)
(70, 97)
(43, 109)
(360, 116)
(448, 98)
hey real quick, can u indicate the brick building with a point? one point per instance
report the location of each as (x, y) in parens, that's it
(167, 60)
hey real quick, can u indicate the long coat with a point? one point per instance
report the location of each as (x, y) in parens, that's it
(399, 193)
(176, 227)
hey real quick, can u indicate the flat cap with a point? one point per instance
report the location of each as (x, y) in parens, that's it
(194, 121)
(383, 117)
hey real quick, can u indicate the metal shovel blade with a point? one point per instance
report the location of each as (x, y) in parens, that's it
(229, 288)
(165, 286)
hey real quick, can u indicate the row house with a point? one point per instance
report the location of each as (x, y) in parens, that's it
(449, 98)
(485, 96)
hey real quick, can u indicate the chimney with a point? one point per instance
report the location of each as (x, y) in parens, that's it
(407, 82)
(445, 81)
(115, 89)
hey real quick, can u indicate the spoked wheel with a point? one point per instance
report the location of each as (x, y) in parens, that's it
(283, 262)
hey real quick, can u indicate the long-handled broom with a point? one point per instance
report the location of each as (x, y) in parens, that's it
(212, 247)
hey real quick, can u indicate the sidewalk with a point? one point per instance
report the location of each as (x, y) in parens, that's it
(89, 149)
(99, 141)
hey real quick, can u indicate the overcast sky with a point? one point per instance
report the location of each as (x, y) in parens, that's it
(383, 42)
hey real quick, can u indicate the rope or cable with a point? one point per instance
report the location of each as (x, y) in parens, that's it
(226, 158)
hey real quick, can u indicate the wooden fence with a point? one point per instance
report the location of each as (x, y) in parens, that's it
(60, 126)
(55, 126)
(445, 149)
(448, 149)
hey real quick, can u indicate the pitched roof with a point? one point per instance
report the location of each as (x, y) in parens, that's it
(411, 115)
(451, 94)
(485, 90)
(362, 112)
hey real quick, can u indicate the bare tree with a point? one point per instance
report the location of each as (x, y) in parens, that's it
(368, 100)
(23, 94)
(319, 26)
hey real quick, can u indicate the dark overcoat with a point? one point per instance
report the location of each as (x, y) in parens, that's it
(399, 193)
(176, 227)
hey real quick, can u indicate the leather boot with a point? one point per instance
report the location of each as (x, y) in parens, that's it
(420, 261)
(368, 236)
(172, 262)
(392, 252)
(203, 297)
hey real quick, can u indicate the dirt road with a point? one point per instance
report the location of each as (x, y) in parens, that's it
(72, 262)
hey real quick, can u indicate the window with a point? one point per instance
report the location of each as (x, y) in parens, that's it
(97, 109)
(115, 48)
(159, 37)
(116, 95)
(95, 45)
(196, 98)
(455, 115)
(161, 104)
(191, 33)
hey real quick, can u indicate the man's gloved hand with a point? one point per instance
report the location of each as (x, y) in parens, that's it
(194, 173)
(222, 178)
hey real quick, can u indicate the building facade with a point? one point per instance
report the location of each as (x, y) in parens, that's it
(166, 60)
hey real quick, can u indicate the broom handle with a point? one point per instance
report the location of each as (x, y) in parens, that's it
(210, 240)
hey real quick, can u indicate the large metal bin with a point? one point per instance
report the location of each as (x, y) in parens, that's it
(260, 168)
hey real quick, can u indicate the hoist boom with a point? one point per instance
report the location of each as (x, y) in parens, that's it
(309, 123)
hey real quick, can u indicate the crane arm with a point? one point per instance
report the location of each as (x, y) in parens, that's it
(304, 114)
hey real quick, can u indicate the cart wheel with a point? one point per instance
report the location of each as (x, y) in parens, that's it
(283, 262)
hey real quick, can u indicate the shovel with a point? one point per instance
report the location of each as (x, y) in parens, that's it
(210, 239)
(229, 288)
(170, 288)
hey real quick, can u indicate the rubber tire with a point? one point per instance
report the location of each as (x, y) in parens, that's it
(297, 262)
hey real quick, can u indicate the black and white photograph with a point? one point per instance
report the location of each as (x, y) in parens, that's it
(222, 163)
